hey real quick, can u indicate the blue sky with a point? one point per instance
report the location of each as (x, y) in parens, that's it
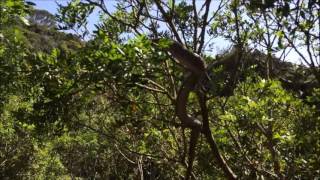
(51, 6)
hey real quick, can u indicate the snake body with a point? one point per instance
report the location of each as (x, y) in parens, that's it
(196, 71)
(196, 65)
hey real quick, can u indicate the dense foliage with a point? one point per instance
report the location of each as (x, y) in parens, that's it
(104, 107)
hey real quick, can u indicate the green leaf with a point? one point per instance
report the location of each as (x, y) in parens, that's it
(10, 3)
(280, 34)
(280, 44)
(170, 2)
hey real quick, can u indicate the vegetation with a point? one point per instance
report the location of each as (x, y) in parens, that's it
(105, 105)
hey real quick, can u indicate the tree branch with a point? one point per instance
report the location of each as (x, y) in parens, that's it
(213, 145)
(168, 20)
(204, 26)
(196, 24)
(102, 6)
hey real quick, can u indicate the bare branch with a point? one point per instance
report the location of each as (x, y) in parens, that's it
(150, 88)
(168, 20)
(102, 6)
(204, 26)
(196, 24)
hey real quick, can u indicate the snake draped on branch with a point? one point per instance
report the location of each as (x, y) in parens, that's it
(197, 67)
(196, 72)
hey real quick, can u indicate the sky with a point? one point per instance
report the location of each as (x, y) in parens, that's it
(51, 6)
